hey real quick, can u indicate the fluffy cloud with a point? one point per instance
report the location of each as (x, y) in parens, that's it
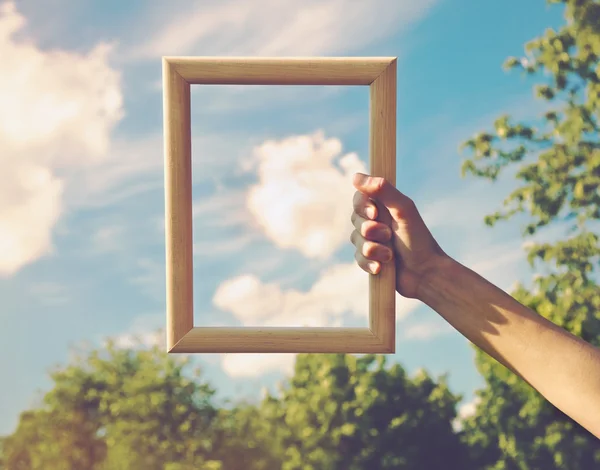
(302, 199)
(255, 365)
(57, 110)
(340, 289)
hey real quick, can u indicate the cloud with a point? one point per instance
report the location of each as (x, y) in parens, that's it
(135, 165)
(278, 28)
(466, 410)
(302, 200)
(340, 289)
(140, 340)
(145, 331)
(223, 209)
(57, 111)
(271, 28)
(255, 365)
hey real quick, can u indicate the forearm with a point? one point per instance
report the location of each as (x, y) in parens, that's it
(562, 367)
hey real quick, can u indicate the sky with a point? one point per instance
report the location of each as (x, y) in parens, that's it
(82, 255)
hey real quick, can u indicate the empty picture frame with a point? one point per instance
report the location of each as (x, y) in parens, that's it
(179, 73)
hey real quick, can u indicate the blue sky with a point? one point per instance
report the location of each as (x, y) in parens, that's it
(81, 192)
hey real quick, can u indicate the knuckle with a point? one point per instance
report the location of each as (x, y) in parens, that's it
(376, 231)
(369, 229)
(369, 249)
(378, 184)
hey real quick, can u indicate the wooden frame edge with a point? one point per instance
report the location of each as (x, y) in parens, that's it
(178, 205)
(178, 74)
(280, 340)
(279, 71)
(382, 162)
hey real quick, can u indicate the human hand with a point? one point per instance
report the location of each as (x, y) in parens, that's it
(388, 226)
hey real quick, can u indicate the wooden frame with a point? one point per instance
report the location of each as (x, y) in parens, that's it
(379, 73)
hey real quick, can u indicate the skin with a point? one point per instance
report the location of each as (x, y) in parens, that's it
(561, 366)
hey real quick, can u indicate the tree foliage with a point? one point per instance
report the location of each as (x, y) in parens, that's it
(347, 412)
(557, 163)
(142, 409)
(118, 409)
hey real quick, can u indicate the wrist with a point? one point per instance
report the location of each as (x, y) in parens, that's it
(441, 266)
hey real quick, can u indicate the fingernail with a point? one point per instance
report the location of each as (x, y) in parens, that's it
(373, 267)
(370, 211)
(388, 256)
(360, 179)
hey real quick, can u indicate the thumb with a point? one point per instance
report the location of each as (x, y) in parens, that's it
(381, 190)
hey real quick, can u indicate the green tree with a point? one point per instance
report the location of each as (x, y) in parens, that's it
(118, 409)
(557, 162)
(53, 441)
(243, 439)
(352, 413)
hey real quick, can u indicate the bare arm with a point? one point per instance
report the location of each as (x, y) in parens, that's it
(561, 366)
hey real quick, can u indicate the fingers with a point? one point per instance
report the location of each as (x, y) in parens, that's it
(369, 254)
(383, 191)
(372, 267)
(364, 206)
(371, 230)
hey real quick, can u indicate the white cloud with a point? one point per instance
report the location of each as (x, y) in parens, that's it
(340, 289)
(302, 200)
(56, 112)
(278, 28)
(270, 28)
(255, 365)
(140, 340)
(465, 411)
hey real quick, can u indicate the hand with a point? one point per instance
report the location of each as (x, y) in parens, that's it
(388, 226)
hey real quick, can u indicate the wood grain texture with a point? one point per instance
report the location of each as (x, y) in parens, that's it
(280, 71)
(382, 159)
(178, 74)
(278, 340)
(178, 205)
